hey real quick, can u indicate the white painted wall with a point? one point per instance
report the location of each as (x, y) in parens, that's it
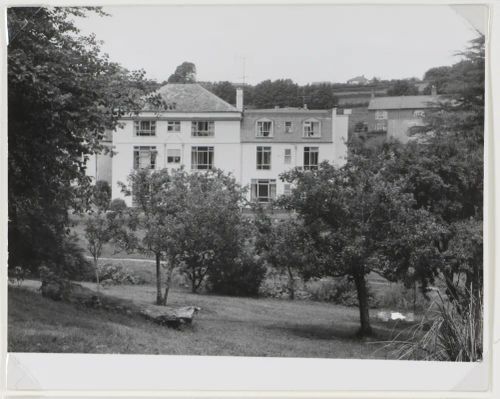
(227, 150)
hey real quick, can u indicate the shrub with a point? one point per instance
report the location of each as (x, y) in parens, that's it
(116, 274)
(336, 290)
(17, 275)
(101, 195)
(117, 205)
(242, 277)
(276, 285)
(397, 297)
(450, 331)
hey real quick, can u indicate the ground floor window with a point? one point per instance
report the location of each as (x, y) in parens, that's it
(174, 155)
(145, 157)
(202, 158)
(263, 190)
(287, 189)
(311, 158)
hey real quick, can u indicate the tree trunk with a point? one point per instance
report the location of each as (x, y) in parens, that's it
(291, 285)
(96, 266)
(159, 297)
(167, 284)
(193, 280)
(364, 309)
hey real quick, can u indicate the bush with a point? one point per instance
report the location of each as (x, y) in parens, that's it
(276, 285)
(117, 205)
(340, 291)
(17, 275)
(397, 297)
(450, 331)
(116, 274)
(242, 277)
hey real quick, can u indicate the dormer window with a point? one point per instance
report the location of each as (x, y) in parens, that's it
(312, 128)
(264, 128)
(381, 115)
(145, 128)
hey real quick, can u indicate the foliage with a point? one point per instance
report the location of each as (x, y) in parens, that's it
(117, 205)
(453, 332)
(184, 73)
(148, 226)
(341, 291)
(402, 88)
(101, 195)
(116, 274)
(281, 92)
(17, 275)
(225, 90)
(63, 95)
(398, 297)
(357, 222)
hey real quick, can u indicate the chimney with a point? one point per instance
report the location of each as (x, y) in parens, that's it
(433, 91)
(239, 99)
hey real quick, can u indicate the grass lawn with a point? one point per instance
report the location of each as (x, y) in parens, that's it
(225, 326)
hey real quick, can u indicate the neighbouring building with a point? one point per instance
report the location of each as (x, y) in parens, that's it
(396, 115)
(358, 80)
(279, 139)
(200, 131)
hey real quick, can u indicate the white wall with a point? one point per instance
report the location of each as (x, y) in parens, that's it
(225, 142)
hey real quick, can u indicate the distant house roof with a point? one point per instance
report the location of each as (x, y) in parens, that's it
(288, 110)
(358, 79)
(191, 97)
(403, 102)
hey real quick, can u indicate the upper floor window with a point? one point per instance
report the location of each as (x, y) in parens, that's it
(202, 158)
(173, 126)
(144, 157)
(311, 128)
(418, 113)
(288, 127)
(202, 128)
(288, 156)
(264, 128)
(381, 115)
(264, 158)
(145, 128)
(263, 190)
(173, 155)
(311, 158)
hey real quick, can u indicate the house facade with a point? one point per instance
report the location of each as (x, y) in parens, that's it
(200, 131)
(276, 140)
(396, 115)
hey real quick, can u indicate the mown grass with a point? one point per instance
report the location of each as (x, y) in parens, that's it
(225, 326)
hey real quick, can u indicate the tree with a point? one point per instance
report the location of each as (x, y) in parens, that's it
(63, 95)
(98, 232)
(283, 244)
(158, 196)
(281, 92)
(207, 233)
(445, 171)
(319, 96)
(225, 90)
(354, 216)
(402, 88)
(184, 73)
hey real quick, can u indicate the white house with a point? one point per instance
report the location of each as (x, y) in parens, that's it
(200, 131)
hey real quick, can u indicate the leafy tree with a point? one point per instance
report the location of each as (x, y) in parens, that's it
(281, 92)
(445, 173)
(184, 73)
(149, 226)
(206, 231)
(354, 216)
(402, 88)
(225, 90)
(283, 244)
(319, 96)
(63, 95)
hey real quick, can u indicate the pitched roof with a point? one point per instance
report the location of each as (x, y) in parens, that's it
(403, 102)
(358, 79)
(191, 97)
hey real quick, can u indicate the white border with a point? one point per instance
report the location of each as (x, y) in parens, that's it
(183, 376)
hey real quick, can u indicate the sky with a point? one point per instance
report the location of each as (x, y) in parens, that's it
(304, 43)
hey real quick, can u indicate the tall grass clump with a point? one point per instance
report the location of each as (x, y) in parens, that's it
(449, 331)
